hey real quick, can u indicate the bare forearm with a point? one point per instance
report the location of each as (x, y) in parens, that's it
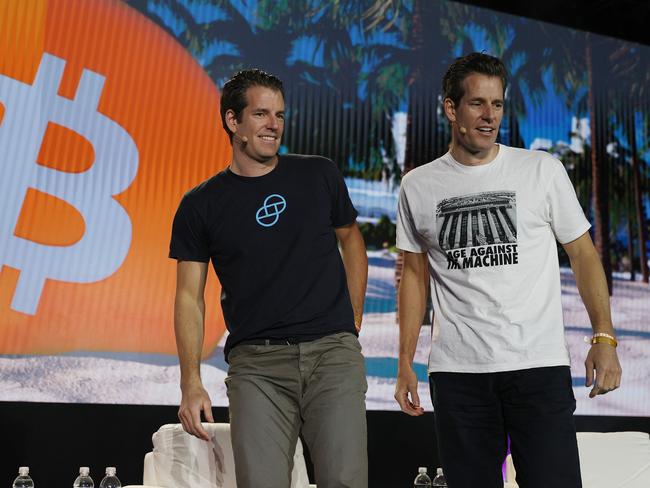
(602, 368)
(592, 286)
(188, 326)
(355, 262)
(412, 300)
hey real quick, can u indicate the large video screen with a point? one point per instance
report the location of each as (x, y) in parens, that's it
(109, 112)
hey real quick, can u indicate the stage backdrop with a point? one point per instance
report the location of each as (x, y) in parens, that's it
(109, 112)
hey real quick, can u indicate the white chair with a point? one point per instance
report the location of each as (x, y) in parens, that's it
(179, 460)
(607, 460)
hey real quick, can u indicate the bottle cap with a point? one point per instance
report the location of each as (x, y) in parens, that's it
(84, 471)
(110, 471)
(439, 471)
(422, 470)
(23, 471)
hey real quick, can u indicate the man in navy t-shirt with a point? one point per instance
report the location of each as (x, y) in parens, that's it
(292, 302)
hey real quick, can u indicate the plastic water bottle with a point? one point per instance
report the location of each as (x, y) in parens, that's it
(23, 480)
(439, 480)
(422, 479)
(83, 480)
(110, 480)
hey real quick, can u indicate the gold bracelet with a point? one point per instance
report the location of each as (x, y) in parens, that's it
(603, 334)
(604, 339)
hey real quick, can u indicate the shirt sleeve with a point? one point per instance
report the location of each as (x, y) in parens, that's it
(342, 209)
(567, 219)
(188, 241)
(408, 238)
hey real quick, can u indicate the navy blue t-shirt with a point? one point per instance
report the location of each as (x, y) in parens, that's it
(272, 244)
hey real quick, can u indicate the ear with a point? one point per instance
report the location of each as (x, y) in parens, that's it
(450, 109)
(231, 120)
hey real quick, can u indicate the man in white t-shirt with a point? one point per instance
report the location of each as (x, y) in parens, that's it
(480, 224)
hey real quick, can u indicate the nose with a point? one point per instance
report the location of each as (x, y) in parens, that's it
(488, 113)
(273, 122)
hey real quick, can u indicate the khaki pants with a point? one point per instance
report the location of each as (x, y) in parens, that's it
(317, 388)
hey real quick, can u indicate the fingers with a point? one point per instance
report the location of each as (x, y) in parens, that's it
(408, 399)
(415, 403)
(207, 412)
(200, 432)
(191, 421)
(185, 416)
(589, 367)
(189, 414)
(408, 407)
(603, 363)
(610, 381)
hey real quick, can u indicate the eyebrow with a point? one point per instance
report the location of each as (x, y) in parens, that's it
(266, 110)
(481, 99)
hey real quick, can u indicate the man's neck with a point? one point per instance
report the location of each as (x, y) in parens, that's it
(469, 158)
(244, 166)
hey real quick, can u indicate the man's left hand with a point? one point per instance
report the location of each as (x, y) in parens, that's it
(603, 361)
(357, 322)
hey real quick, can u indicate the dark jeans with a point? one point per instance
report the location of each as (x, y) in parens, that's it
(476, 412)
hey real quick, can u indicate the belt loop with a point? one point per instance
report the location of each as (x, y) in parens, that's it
(267, 342)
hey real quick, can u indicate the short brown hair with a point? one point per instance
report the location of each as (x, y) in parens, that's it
(461, 68)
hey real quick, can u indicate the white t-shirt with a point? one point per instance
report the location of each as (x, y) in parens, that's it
(489, 232)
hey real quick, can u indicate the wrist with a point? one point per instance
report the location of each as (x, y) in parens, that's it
(404, 364)
(602, 338)
(358, 318)
(603, 327)
(190, 383)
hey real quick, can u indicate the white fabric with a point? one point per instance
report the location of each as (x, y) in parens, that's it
(608, 460)
(180, 460)
(149, 471)
(496, 306)
(142, 486)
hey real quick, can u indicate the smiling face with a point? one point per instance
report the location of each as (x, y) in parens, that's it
(476, 119)
(257, 135)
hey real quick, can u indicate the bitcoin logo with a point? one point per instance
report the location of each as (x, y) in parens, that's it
(107, 237)
(269, 213)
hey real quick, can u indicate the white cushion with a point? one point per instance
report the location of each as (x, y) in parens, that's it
(609, 460)
(614, 459)
(180, 460)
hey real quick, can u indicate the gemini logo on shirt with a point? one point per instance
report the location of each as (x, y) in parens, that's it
(269, 213)
(478, 230)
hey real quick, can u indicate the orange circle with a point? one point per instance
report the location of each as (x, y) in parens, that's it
(170, 108)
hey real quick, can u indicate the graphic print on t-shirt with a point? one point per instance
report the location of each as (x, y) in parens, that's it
(478, 230)
(269, 213)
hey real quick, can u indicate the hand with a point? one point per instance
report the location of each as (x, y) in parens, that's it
(603, 359)
(407, 386)
(357, 322)
(194, 401)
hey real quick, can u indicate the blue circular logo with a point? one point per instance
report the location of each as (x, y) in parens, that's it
(269, 213)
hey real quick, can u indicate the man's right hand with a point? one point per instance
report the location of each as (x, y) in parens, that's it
(406, 392)
(194, 401)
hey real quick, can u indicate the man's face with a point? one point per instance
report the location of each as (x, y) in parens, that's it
(262, 123)
(479, 113)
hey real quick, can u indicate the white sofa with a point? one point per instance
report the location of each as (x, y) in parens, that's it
(607, 460)
(179, 460)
